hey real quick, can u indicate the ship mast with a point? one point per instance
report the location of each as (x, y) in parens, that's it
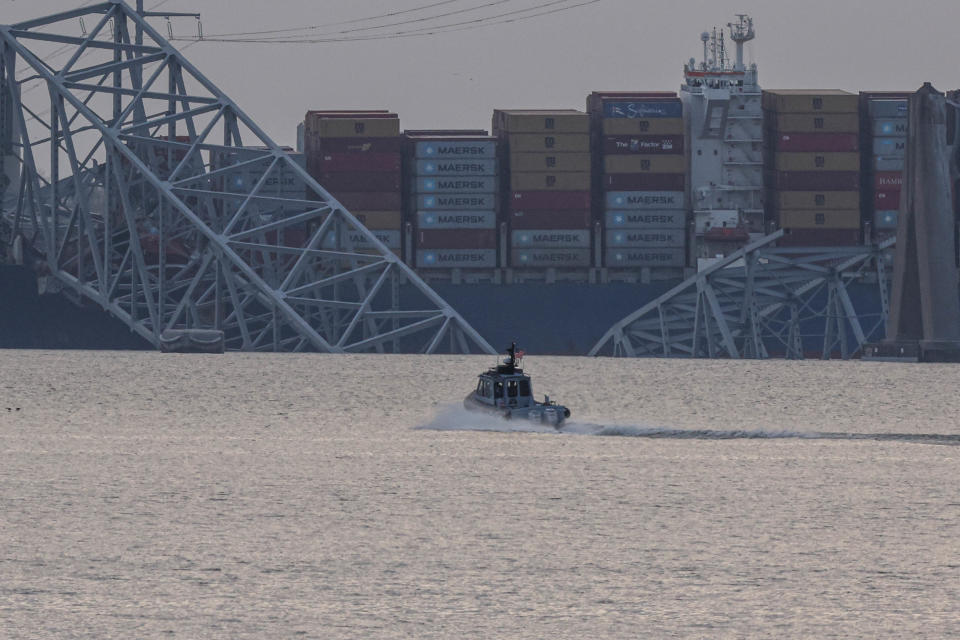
(741, 33)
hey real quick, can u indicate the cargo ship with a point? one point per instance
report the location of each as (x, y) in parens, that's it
(574, 218)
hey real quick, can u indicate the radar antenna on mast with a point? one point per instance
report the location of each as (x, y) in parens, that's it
(741, 33)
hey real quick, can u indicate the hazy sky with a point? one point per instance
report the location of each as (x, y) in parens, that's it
(457, 79)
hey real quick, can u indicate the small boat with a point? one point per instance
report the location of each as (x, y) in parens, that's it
(506, 391)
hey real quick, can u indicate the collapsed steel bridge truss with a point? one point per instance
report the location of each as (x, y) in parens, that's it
(140, 186)
(760, 301)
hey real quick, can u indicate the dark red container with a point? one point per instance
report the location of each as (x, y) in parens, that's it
(653, 145)
(549, 200)
(815, 180)
(888, 180)
(547, 219)
(370, 201)
(374, 162)
(813, 142)
(644, 182)
(359, 181)
(360, 145)
(456, 239)
(886, 200)
(820, 238)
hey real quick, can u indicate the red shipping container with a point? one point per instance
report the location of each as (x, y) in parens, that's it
(888, 180)
(886, 200)
(549, 200)
(374, 162)
(359, 181)
(812, 142)
(547, 219)
(370, 201)
(456, 239)
(359, 145)
(820, 238)
(644, 182)
(816, 180)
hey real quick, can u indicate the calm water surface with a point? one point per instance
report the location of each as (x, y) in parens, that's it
(279, 496)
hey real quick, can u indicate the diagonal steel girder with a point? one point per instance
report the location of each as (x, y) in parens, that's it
(142, 187)
(759, 299)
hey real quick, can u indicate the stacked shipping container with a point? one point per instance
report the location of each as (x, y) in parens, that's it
(452, 198)
(545, 172)
(355, 155)
(641, 166)
(812, 166)
(884, 118)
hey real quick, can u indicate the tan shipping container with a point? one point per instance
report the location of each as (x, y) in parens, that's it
(818, 200)
(550, 162)
(827, 219)
(358, 127)
(811, 101)
(828, 161)
(638, 126)
(379, 219)
(545, 181)
(814, 123)
(645, 164)
(563, 142)
(540, 121)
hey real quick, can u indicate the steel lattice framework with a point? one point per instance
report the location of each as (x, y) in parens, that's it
(168, 206)
(759, 300)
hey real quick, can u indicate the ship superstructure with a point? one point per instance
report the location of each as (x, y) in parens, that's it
(724, 120)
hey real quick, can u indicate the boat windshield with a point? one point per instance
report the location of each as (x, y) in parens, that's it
(498, 389)
(512, 388)
(524, 388)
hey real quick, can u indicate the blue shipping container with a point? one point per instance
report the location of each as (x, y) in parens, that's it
(886, 219)
(463, 149)
(457, 219)
(893, 147)
(646, 238)
(456, 167)
(895, 127)
(551, 238)
(896, 108)
(454, 184)
(641, 109)
(621, 257)
(457, 258)
(359, 240)
(645, 200)
(666, 219)
(888, 163)
(457, 201)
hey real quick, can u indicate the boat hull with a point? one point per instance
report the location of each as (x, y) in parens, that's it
(540, 413)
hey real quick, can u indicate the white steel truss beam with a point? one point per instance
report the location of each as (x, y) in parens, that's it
(757, 300)
(160, 203)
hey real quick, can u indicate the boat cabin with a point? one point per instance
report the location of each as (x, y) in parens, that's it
(506, 385)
